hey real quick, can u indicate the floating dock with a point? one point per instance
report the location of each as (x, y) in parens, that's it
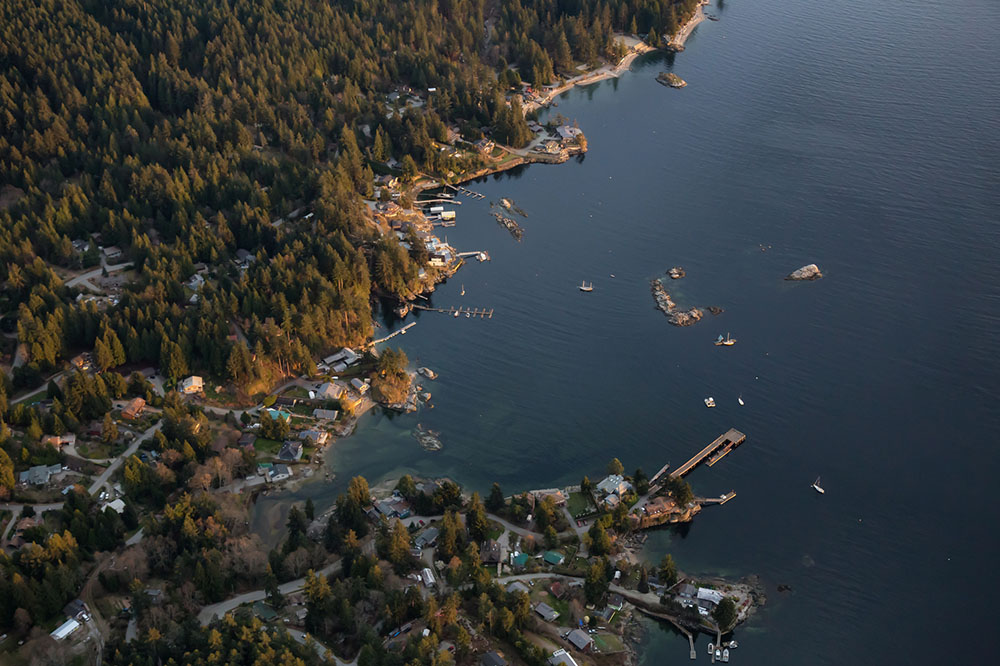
(718, 449)
(455, 312)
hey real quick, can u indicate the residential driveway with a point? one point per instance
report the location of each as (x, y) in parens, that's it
(208, 613)
(133, 447)
(322, 650)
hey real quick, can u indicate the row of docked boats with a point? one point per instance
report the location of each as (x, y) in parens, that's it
(721, 651)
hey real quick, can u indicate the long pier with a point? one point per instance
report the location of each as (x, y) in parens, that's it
(401, 331)
(466, 191)
(455, 312)
(721, 446)
(717, 500)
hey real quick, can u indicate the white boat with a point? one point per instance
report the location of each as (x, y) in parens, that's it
(584, 287)
(818, 488)
(725, 655)
(456, 314)
(733, 645)
(725, 342)
(463, 290)
(710, 401)
(711, 648)
(468, 314)
(740, 400)
(718, 654)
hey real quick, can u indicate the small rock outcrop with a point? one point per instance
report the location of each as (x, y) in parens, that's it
(669, 308)
(808, 272)
(676, 273)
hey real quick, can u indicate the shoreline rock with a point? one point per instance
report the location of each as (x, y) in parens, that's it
(669, 308)
(676, 273)
(807, 272)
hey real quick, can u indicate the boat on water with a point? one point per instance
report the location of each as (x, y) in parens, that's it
(725, 342)
(427, 372)
(584, 287)
(718, 654)
(468, 314)
(710, 401)
(456, 314)
(463, 290)
(818, 488)
(725, 655)
(732, 645)
(711, 648)
(740, 400)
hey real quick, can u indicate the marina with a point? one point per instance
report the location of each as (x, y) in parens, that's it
(456, 312)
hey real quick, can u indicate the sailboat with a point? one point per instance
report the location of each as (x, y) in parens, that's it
(727, 342)
(818, 488)
(463, 290)
(584, 287)
(740, 400)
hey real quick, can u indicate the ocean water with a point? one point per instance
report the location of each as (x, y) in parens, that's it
(864, 137)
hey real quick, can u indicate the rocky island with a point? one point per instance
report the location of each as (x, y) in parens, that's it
(670, 79)
(807, 272)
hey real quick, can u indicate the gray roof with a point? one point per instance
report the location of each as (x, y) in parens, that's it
(492, 659)
(580, 639)
(428, 537)
(546, 611)
(518, 586)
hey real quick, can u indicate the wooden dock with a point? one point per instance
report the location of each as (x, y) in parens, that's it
(466, 191)
(716, 500)
(721, 446)
(468, 312)
(401, 331)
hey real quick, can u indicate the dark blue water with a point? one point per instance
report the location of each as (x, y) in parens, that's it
(861, 136)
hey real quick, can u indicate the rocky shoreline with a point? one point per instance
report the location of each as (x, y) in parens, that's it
(675, 316)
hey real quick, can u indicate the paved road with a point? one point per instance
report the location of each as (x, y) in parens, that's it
(323, 651)
(133, 447)
(207, 613)
(85, 277)
(44, 387)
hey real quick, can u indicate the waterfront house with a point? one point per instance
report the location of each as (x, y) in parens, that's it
(290, 451)
(614, 484)
(134, 409)
(561, 658)
(581, 640)
(359, 386)
(347, 355)
(554, 558)
(568, 133)
(714, 597)
(319, 437)
(279, 473)
(325, 414)
(192, 384)
(485, 146)
(686, 590)
(330, 390)
(611, 501)
(546, 612)
(492, 659)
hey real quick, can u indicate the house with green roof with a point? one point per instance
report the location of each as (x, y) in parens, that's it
(554, 558)
(521, 560)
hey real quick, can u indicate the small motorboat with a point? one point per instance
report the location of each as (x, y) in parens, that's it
(818, 488)
(718, 654)
(463, 290)
(732, 645)
(710, 401)
(711, 648)
(584, 287)
(456, 314)
(740, 400)
(468, 314)
(725, 342)
(725, 655)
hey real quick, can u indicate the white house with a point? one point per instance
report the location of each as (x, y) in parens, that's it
(65, 629)
(193, 384)
(614, 484)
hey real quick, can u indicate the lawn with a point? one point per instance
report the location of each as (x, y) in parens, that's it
(608, 643)
(296, 392)
(269, 447)
(579, 504)
(94, 450)
(562, 607)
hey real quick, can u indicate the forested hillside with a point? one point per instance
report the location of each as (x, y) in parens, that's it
(182, 130)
